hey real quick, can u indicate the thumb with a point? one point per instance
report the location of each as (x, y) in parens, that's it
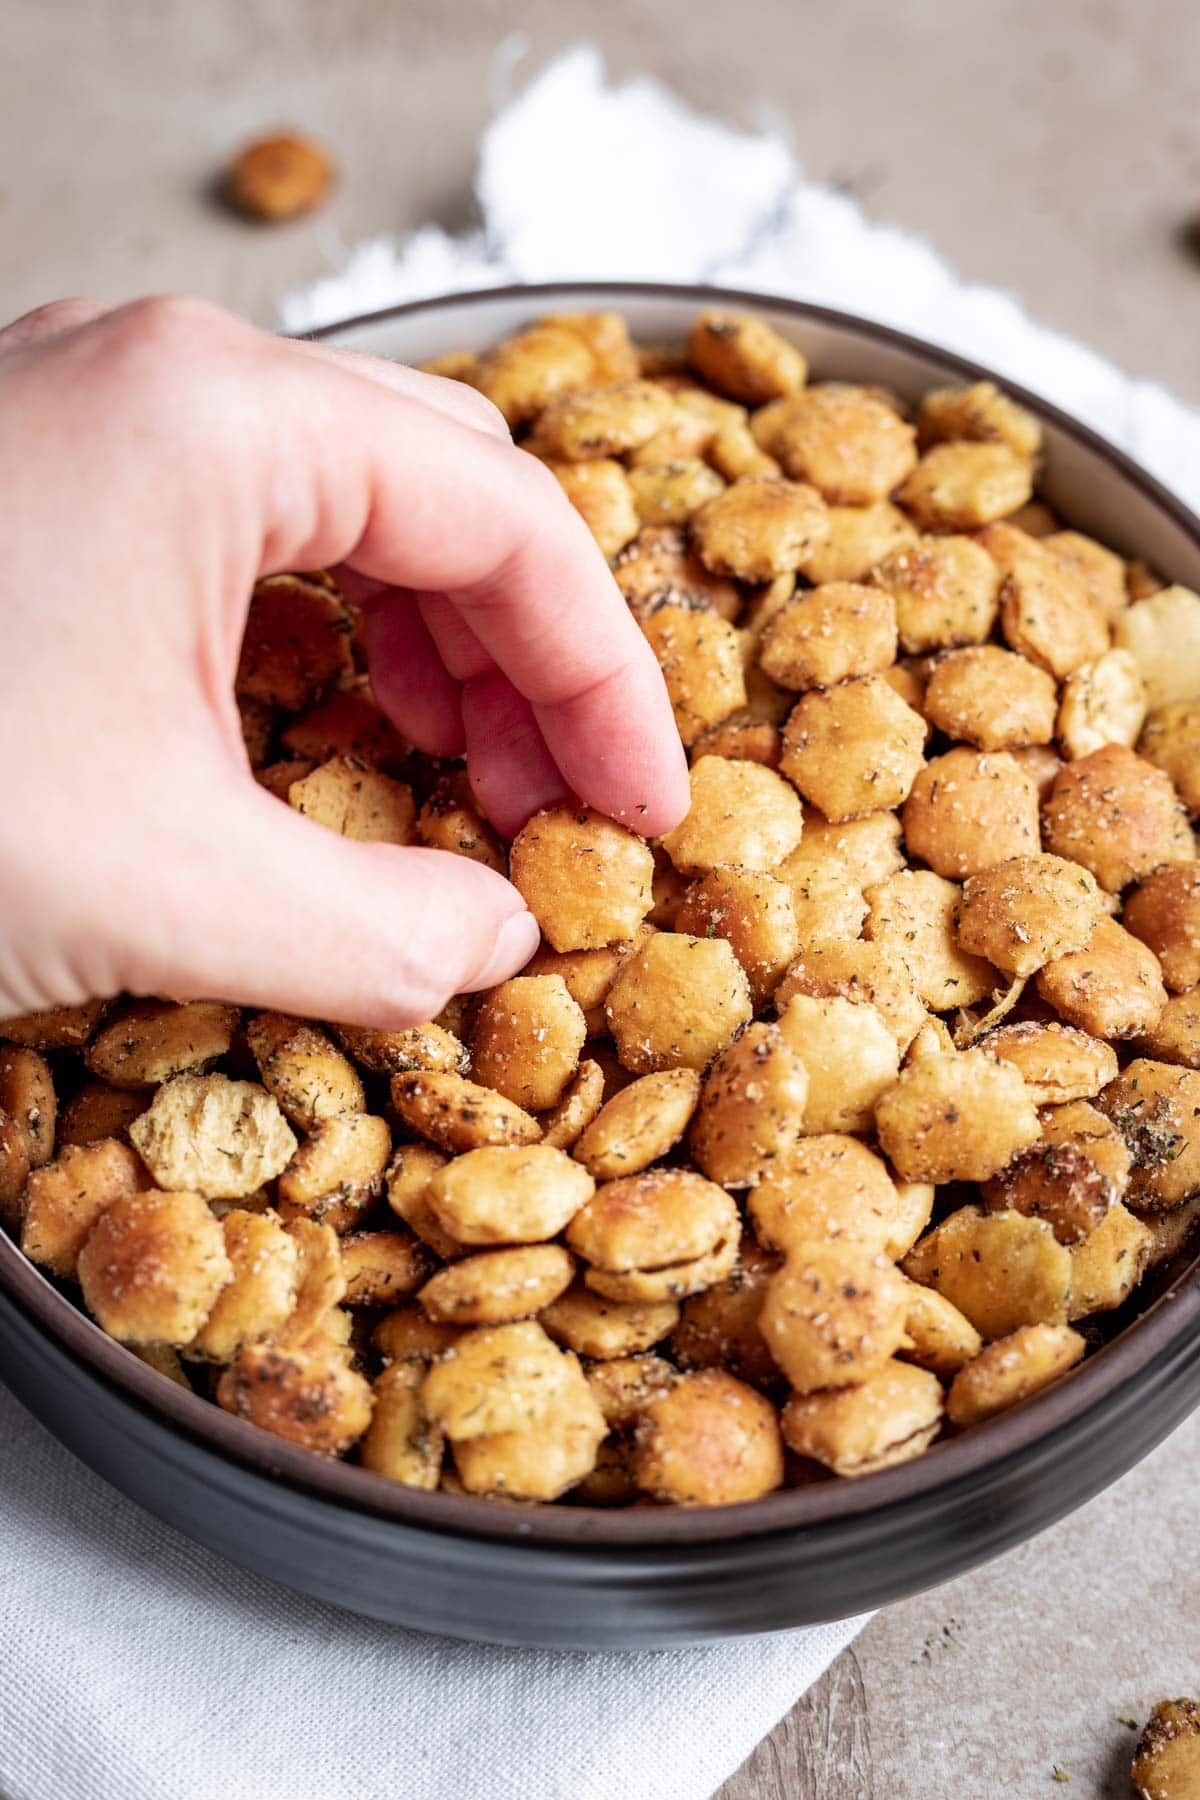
(289, 915)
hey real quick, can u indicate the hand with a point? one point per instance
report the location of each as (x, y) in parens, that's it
(156, 459)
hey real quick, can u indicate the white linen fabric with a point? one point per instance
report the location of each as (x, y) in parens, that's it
(135, 1666)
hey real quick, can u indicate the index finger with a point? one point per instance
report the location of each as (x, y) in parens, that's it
(453, 397)
(413, 498)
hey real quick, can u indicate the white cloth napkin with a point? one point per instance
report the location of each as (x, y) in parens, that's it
(134, 1666)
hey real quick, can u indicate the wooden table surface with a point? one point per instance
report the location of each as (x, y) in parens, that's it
(1054, 150)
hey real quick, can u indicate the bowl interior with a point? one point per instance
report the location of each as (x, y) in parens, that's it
(1096, 489)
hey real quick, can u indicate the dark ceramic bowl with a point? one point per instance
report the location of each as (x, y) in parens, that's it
(583, 1578)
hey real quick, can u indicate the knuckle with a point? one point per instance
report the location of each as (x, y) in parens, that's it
(59, 315)
(172, 355)
(47, 322)
(173, 325)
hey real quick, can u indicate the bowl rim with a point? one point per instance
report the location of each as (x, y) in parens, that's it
(709, 294)
(1167, 1322)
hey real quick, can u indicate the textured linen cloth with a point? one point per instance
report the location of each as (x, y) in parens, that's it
(135, 1666)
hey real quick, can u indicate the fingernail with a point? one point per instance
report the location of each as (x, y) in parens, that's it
(516, 942)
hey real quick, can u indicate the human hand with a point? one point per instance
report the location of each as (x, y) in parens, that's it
(155, 460)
